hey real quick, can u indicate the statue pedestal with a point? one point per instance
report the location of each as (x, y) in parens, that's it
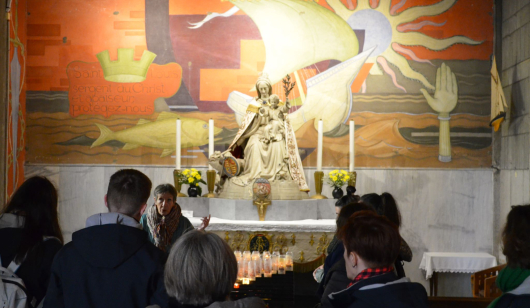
(279, 210)
(280, 190)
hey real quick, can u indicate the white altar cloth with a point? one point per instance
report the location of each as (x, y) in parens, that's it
(456, 262)
(308, 225)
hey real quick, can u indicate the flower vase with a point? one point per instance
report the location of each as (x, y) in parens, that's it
(337, 193)
(193, 191)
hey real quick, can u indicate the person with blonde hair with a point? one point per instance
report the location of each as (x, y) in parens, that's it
(201, 271)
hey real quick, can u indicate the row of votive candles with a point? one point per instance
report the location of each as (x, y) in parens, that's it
(252, 265)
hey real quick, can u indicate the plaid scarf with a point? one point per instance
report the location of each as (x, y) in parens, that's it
(163, 227)
(371, 272)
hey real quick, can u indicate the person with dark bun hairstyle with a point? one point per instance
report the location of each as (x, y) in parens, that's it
(514, 279)
(321, 271)
(386, 205)
(371, 245)
(30, 235)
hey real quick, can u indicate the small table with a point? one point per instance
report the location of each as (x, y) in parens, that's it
(453, 262)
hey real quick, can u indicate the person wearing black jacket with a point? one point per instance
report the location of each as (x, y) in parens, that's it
(111, 263)
(30, 235)
(335, 278)
(371, 244)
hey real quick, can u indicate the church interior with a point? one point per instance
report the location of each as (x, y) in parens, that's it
(264, 114)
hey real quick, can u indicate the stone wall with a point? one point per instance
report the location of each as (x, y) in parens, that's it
(512, 142)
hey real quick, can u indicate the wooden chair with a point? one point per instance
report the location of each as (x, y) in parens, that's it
(483, 282)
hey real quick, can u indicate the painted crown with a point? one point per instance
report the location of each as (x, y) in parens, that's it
(125, 69)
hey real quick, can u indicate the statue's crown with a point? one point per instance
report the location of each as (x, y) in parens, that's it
(125, 69)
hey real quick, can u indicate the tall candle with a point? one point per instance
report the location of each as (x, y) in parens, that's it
(352, 145)
(210, 141)
(319, 146)
(177, 144)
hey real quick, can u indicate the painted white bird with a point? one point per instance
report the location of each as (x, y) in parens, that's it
(210, 16)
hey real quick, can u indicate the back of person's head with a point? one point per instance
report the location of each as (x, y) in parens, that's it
(348, 210)
(375, 201)
(391, 210)
(372, 237)
(165, 189)
(350, 190)
(516, 237)
(128, 191)
(201, 269)
(36, 201)
(345, 200)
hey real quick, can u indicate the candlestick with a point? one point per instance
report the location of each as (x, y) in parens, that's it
(177, 145)
(210, 178)
(319, 146)
(176, 178)
(352, 145)
(319, 181)
(210, 141)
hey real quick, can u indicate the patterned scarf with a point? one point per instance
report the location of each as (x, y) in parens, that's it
(371, 272)
(163, 227)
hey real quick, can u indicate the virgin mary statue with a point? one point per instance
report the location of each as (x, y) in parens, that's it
(264, 147)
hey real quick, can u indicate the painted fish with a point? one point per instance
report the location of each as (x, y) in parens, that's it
(159, 134)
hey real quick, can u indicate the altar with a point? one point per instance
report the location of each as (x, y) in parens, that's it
(307, 239)
(278, 210)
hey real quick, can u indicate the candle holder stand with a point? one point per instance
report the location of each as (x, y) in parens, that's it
(319, 182)
(353, 178)
(176, 176)
(210, 178)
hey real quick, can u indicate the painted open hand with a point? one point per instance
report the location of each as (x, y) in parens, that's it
(205, 223)
(446, 93)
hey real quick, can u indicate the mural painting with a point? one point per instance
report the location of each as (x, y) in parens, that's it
(106, 81)
(16, 128)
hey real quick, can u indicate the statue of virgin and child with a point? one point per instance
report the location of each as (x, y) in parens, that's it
(264, 147)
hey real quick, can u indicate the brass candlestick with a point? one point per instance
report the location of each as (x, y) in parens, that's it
(319, 181)
(176, 176)
(210, 178)
(353, 179)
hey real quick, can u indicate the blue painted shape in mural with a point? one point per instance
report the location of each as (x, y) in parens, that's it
(15, 106)
(378, 31)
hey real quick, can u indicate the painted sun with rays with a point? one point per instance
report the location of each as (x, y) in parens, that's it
(391, 31)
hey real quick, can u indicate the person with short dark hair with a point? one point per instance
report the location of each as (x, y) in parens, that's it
(30, 235)
(163, 221)
(371, 245)
(201, 271)
(111, 262)
(335, 278)
(514, 279)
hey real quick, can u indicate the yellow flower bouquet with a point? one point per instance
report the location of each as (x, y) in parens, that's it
(337, 178)
(192, 177)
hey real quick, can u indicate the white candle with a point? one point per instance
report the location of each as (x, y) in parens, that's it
(210, 140)
(319, 146)
(352, 145)
(177, 144)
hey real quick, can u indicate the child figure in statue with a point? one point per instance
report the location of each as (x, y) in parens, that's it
(275, 129)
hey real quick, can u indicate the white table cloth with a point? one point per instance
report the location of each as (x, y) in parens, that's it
(308, 225)
(456, 262)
